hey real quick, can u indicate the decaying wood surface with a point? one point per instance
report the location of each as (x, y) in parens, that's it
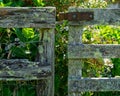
(94, 51)
(46, 57)
(77, 51)
(21, 17)
(43, 67)
(101, 16)
(94, 84)
(23, 69)
(46, 46)
(75, 34)
(75, 68)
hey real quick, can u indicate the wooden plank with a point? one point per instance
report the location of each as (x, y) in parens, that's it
(94, 84)
(75, 68)
(76, 51)
(101, 16)
(22, 69)
(45, 53)
(75, 34)
(74, 71)
(19, 17)
(49, 57)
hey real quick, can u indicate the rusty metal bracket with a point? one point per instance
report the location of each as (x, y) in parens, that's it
(77, 16)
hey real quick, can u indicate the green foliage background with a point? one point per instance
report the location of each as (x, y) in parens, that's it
(100, 34)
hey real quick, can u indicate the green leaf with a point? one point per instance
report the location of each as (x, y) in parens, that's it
(28, 32)
(18, 52)
(20, 35)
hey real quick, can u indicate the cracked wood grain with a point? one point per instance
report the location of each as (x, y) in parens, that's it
(101, 16)
(77, 51)
(22, 69)
(94, 84)
(94, 51)
(21, 17)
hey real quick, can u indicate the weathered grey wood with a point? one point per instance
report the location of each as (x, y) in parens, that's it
(22, 69)
(75, 34)
(44, 87)
(75, 94)
(101, 16)
(93, 51)
(19, 17)
(77, 50)
(49, 37)
(46, 57)
(94, 84)
(43, 66)
(46, 46)
(75, 68)
(74, 71)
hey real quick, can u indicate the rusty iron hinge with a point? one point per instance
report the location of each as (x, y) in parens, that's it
(77, 16)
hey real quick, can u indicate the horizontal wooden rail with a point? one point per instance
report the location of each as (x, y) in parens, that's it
(21, 17)
(93, 51)
(94, 84)
(22, 69)
(100, 16)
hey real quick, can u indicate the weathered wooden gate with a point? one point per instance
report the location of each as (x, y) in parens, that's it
(77, 50)
(43, 20)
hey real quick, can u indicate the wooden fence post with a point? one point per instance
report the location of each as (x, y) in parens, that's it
(74, 66)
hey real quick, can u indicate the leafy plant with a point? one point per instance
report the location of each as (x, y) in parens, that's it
(101, 34)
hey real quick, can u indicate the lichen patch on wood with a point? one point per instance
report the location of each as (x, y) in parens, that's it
(103, 16)
(27, 17)
(77, 51)
(94, 51)
(22, 69)
(94, 84)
